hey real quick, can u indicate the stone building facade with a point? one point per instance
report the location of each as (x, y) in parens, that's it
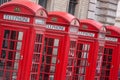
(103, 11)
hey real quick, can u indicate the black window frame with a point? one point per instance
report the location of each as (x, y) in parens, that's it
(43, 3)
(72, 6)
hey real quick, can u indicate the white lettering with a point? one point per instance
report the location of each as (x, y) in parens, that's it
(111, 39)
(86, 34)
(16, 18)
(55, 27)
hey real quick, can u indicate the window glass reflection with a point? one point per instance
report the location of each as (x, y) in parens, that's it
(20, 35)
(56, 42)
(19, 44)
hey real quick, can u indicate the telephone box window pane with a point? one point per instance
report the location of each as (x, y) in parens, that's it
(16, 64)
(46, 77)
(47, 68)
(36, 58)
(7, 77)
(14, 76)
(51, 77)
(50, 42)
(35, 67)
(56, 42)
(54, 60)
(52, 69)
(20, 35)
(19, 44)
(33, 76)
(49, 52)
(48, 59)
(12, 45)
(5, 44)
(17, 56)
(1, 73)
(6, 34)
(9, 65)
(81, 78)
(3, 55)
(55, 51)
(13, 35)
(109, 58)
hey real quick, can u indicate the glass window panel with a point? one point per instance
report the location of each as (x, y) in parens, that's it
(52, 69)
(103, 72)
(50, 42)
(12, 45)
(20, 35)
(83, 70)
(35, 67)
(108, 65)
(110, 51)
(1, 73)
(13, 35)
(71, 53)
(70, 62)
(9, 65)
(36, 58)
(14, 76)
(86, 47)
(55, 51)
(107, 72)
(51, 77)
(109, 58)
(7, 76)
(54, 60)
(56, 42)
(81, 78)
(6, 34)
(17, 56)
(16, 64)
(83, 62)
(85, 55)
(47, 68)
(46, 76)
(19, 44)
(3, 54)
(104, 64)
(49, 50)
(5, 44)
(48, 59)
(33, 77)
(104, 58)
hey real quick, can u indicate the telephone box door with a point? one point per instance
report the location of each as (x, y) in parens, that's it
(50, 58)
(78, 62)
(107, 63)
(11, 52)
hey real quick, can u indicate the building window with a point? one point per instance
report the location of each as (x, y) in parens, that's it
(43, 3)
(3, 1)
(72, 5)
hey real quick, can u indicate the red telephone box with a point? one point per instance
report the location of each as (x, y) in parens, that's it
(61, 28)
(22, 26)
(91, 38)
(110, 62)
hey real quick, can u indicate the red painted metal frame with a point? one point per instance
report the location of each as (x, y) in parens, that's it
(114, 32)
(67, 21)
(32, 11)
